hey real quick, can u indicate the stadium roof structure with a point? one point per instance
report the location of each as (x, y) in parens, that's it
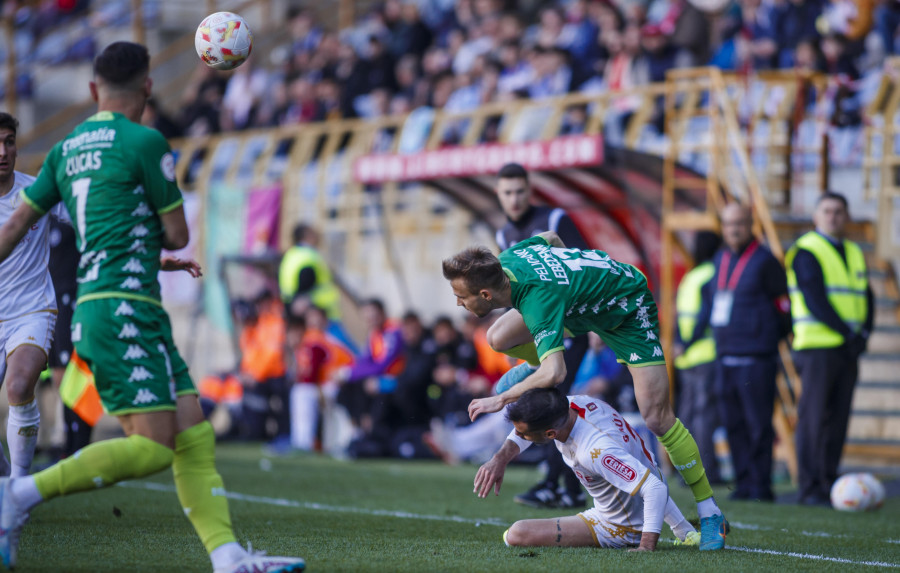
(613, 195)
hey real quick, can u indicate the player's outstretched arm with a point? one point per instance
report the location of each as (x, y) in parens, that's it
(169, 263)
(490, 475)
(551, 373)
(15, 228)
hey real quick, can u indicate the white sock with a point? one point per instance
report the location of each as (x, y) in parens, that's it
(26, 492)
(228, 554)
(22, 434)
(675, 519)
(708, 508)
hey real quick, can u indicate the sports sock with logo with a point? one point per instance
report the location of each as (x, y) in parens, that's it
(527, 352)
(201, 491)
(685, 456)
(21, 435)
(104, 463)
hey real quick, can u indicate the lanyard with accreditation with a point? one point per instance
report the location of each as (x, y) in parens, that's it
(723, 300)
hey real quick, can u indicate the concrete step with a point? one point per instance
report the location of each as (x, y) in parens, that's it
(880, 367)
(876, 398)
(874, 425)
(884, 342)
(886, 315)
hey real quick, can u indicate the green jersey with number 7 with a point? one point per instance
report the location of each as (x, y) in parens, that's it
(559, 289)
(115, 177)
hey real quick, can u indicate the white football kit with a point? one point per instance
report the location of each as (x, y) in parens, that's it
(612, 463)
(27, 298)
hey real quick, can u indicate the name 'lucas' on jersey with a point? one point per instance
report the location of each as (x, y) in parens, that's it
(116, 178)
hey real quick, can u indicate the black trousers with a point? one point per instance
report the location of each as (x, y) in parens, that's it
(745, 387)
(556, 467)
(829, 378)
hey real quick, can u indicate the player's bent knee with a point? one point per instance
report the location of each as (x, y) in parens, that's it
(517, 535)
(496, 340)
(154, 457)
(20, 390)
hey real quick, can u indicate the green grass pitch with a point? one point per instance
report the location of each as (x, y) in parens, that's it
(398, 516)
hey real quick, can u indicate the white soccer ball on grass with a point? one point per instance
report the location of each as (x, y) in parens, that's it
(857, 492)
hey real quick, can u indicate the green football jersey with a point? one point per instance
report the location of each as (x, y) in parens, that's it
(115, 177)
(583, 291)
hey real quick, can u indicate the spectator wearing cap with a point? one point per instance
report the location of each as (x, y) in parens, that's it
(659, 55)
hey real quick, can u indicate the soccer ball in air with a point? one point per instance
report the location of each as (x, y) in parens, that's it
(223, 41)
(857, 492)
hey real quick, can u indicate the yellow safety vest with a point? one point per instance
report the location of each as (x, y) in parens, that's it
(324, 294)
(687, 305)
(845, 285)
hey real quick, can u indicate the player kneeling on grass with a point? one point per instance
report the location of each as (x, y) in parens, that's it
(631, 497)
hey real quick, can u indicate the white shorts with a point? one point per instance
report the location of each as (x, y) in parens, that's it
(34, 329)
(607, 534)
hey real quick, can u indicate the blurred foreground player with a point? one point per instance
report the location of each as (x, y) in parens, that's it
(117, 180)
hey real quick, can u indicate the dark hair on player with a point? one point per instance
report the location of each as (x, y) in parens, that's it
(8, 121)
(121, 64)
(512, 171)
(540, 409)
(833, 195)
(478, 267)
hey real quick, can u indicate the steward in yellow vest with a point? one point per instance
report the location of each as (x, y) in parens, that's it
(303, 271)
(845, 283)
(687, 306)
(697, 406)
(832, 312)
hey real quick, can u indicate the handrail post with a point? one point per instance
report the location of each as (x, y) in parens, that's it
(137, 23)
(12, 96)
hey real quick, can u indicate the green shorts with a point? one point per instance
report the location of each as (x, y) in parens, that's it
(128, 345)
(636, 339)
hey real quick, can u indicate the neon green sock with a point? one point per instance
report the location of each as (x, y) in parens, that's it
(200, 487)
(527, 352)
(103, 463)
(685, 456)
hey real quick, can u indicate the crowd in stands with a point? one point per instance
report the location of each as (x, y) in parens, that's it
(59, 32)
(301, 384)
(421, 55)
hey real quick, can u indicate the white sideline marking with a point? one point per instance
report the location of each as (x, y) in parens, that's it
(813, 557)
(754, 527)
(323, 507)
(281, 502)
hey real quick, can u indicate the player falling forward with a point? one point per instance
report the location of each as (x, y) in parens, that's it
(27, 310)
(553, 290)
(117, 181)
(631, 498)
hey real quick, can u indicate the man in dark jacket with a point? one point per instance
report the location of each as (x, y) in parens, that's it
(746, 303)
(524, 221)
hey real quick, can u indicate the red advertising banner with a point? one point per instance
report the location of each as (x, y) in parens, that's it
(561, 152)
